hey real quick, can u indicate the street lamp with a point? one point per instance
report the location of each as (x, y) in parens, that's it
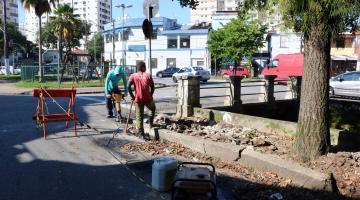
(123, 6)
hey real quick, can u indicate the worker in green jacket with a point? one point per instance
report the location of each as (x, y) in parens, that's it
(113, 94)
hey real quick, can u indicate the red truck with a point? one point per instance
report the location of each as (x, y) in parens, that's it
(285, 65)
(240, 71)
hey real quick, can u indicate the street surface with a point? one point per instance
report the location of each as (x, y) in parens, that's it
(63, 166)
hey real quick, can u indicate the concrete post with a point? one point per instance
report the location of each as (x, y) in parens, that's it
(188, 94)
(234, 93)
(294, 87)
(268, 89)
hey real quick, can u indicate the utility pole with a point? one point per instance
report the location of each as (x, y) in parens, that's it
(113, 43)
(6, 58)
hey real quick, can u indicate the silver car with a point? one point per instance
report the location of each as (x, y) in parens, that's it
(347, 84)
(194, 71)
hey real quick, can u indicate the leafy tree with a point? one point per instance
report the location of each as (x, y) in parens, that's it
(48, 37)
(320, 21)
(40, 7)
(19, 41)
(65, 27)
(96, 45)
(190, 3)
(238, 39)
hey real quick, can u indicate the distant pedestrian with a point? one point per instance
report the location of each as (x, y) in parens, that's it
(144, 89)
(112, 93)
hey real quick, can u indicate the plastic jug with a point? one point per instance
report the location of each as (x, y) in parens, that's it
(163, 173)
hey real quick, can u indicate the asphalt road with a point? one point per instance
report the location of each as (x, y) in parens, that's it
(63, 167)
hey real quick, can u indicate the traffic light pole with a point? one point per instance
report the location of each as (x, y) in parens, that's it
(151, 33)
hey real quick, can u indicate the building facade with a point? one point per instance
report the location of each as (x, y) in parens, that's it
(12, 14)
(206, 9)
(96, 12)
(173, 45)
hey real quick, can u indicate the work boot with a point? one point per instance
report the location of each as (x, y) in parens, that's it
(142, 134)
(119, 119)
(109, 116)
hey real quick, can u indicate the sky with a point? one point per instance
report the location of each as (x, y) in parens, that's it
(168, 8)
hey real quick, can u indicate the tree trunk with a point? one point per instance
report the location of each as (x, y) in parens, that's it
(313, 133)
(41, 70)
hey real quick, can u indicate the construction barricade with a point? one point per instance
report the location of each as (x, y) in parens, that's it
(43, 116)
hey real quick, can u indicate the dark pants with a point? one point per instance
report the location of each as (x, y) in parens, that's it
(110, 105)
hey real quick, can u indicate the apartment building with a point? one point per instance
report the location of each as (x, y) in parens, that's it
(11, 11)
(207, 9)
(96, 12)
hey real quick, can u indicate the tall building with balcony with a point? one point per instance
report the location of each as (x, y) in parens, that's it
(96, 12)
(11, 11)
(206, 9)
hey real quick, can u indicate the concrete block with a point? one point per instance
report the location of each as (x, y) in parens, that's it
(300, 176)
(223, 151)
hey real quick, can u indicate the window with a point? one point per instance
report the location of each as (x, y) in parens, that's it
(348, 77)
(172, 42)
(185, 42)
(154, 34)
(284, 40)
(171, 62)
(200, 63)
(356, 76)
(154, 63)
(274, 63)
(108, 38)
(340, 42)
(116, 37)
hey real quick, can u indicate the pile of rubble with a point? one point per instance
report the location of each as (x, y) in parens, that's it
(228, 133)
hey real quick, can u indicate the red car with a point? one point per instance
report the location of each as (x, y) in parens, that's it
(240, 71)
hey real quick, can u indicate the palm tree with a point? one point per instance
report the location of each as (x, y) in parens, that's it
(40, 7)
(64, 25)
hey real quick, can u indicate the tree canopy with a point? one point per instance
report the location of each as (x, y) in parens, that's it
(238, 39)
(66, 25)
(95, 46)
(19, 41)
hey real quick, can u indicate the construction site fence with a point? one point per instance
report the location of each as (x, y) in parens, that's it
(75, 73)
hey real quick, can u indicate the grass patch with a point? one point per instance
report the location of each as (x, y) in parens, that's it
(53, 84)
(11, 77)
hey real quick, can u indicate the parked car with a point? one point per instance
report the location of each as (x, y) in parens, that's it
(195, 71)
(168, 72)
(240, 71)
(346, 84)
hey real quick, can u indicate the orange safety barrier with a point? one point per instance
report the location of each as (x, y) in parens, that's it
(43, 118)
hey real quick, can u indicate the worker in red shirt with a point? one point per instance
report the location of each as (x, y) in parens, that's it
(144, 89)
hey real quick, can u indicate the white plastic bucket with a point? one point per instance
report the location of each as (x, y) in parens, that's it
(163, 173)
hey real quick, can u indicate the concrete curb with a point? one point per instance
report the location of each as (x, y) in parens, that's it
(300, 176)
